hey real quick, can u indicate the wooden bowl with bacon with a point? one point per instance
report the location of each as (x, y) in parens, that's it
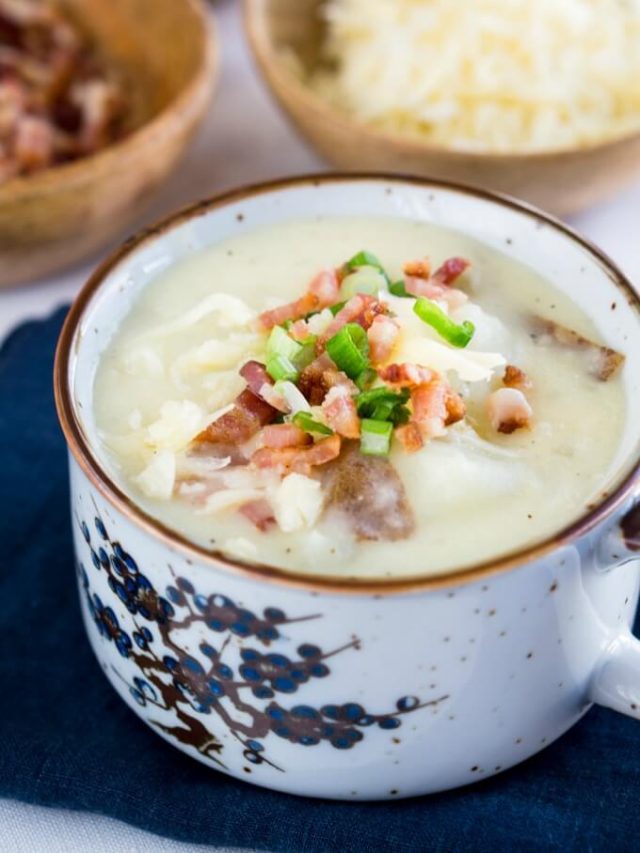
(98, 100)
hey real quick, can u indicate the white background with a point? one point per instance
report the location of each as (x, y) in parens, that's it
(245, 139)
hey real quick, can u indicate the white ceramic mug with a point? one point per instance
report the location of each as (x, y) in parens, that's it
(344, 689)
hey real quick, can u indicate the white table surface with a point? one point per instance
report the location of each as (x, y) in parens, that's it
(245, 139)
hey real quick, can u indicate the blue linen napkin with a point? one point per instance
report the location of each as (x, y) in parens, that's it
(67, 740)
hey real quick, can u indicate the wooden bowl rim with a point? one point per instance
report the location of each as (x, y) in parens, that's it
(265, 54)
(87, 459)
(103, 162)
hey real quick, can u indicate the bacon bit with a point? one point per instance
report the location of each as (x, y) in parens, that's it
(326, 287)
(33, 144)
(433, 290)
(256, 376)
(450, 270)
(259, 513)
(321, 375)
(382, 334)
(605, 362)
(291, 311)
(405, 375)
(299, 330)
(508, 410)
(435, 406)
(322, 291)
(410, 437)
(515, 378)
(418, 269)
(361, 309)
(340, 412)
(300, 460)
(420, 282)
(283, 435)
(249, 413)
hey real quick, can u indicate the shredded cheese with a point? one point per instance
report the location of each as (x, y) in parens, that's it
(490, 75)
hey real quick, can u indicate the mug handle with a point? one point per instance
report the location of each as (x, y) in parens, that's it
(616, 682)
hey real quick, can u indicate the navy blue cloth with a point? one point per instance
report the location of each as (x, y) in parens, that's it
(67, 740)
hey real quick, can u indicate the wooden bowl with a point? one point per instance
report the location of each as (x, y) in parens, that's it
(166, 54)
(562, 181)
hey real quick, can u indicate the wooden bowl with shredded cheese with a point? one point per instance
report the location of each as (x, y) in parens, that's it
(562, 166)
(165, 63)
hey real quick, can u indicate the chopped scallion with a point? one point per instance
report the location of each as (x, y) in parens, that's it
(349, 349)
(299, 354)
(434, 316)
(380, 403)
(308, 424)
(375, 437)
(337, 307)
(365, 259)
(366, 378)
(369, 280)
(397, 288)
(279, 367)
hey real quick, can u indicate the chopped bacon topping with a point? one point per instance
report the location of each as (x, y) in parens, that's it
(515, 378)
(436, 406)
(419, 281)
(361, 309)
(255, 375)
(299, 330)
(433, 290)
(340, 412)
(300, 460)
(243, 421)
(322, 292)
(418, 269)
(321, 375)
(508, 410)
(283, 435)
(58, 101)
(410, 437)
(383, 335)
(405, 375)
(259, 513)
(450, 270)
(326, 287)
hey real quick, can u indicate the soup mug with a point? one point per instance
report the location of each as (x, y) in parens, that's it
(337, 688)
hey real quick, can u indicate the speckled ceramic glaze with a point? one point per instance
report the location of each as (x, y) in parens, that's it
(339, 689)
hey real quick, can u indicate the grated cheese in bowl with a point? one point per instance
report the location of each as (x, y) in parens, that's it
(487, 76)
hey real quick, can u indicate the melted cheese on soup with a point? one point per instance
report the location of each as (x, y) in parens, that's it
(491, 427)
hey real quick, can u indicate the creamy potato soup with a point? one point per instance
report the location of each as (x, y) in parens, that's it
(359, 397)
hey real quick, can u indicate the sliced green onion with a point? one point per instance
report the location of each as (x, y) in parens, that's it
(375, 437)
(337, 307)
(369, 280)
(366, 378)
(398, 288)
(298, 353)
(380, 403)
(308, 424)
(349, 349)
(307, 352)
(365, 259)
(280, 343)
(434, 316)
(400, 415)
(280, 368)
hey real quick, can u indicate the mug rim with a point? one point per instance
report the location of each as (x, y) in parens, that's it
(87, 458)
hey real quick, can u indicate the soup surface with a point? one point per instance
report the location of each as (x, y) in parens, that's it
(425, 416)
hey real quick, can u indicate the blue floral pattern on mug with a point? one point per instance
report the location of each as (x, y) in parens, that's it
(194, 687)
